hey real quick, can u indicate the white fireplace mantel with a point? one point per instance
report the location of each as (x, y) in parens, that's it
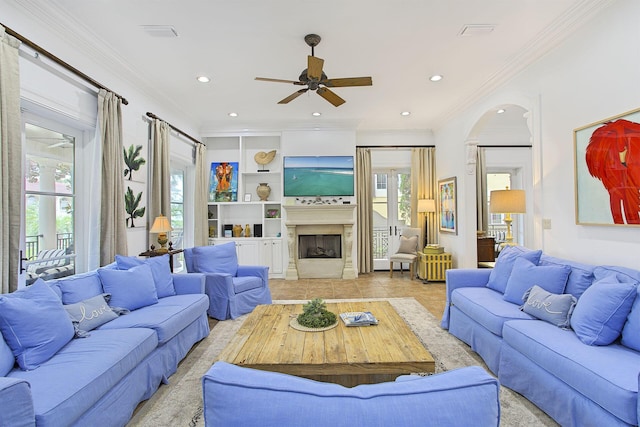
(301, 217)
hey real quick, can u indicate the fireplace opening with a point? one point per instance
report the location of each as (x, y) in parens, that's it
(319, 246)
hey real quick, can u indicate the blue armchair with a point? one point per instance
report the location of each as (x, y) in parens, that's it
(233, 289)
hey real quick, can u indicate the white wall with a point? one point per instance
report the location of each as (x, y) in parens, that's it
(591, 76)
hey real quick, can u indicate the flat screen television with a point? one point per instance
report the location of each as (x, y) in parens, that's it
(316, 176)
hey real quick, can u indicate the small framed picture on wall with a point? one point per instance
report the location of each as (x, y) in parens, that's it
(447, 205)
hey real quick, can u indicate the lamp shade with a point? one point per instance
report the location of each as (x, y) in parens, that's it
(507, 201)
(161, 225)
(426, 205)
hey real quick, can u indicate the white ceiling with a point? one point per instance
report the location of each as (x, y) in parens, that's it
(399, 43)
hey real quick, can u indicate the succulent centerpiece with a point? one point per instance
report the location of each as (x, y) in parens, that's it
(315, 315)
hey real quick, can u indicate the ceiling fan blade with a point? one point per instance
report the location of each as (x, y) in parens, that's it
(330, 96)
(350, 81)
(314, 67)
(293, 96)
(265, 79)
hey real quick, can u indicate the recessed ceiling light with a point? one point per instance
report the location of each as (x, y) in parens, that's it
(500, 111)
(203, 79)
(233, 114)
(435, 78)
(405, 113)
(316, 114)
(160, 30)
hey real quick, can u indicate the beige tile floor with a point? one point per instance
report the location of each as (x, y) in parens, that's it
(372, 285)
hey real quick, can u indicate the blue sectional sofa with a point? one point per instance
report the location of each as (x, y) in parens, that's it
(566, 335)
(87, 349)
(238, 396)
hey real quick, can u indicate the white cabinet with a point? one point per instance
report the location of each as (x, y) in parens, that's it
(272, 256)
(248, 251)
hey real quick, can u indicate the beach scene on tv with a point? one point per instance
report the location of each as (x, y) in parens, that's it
(309, 176)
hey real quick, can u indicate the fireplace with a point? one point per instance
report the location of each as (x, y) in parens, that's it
(320, 241)
(319, 246)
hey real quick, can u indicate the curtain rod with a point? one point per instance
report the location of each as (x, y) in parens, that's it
(60, 62)
(186, 135)
(395, 146)
(504, 146)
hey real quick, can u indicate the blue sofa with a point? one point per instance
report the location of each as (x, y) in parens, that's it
(564, 334)
(64, 363)
(233, 289)
(238, 396)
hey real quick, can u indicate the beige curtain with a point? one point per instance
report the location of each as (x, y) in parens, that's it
(201, 198)
(423, 186)
(364, 209)
(481, 191)
(160, 185)
(113, 236)
(10, 162)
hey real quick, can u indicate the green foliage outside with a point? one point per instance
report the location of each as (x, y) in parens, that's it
(404, 198)
(315, 315)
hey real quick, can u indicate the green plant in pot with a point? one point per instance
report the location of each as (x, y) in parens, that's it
(315, 315)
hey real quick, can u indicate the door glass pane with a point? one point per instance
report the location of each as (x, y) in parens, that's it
(49, 204)
(380, 217)
(404, 199)
(497, 226)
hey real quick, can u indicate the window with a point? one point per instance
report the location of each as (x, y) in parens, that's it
(49, 203)
(177, 207)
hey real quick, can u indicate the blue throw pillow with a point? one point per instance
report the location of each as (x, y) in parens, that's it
(79, 287)
(504, 264)
(525, 274)
(552, 308)
(34, 324)
(160, 269)
(631, 329)
(602, 311)
(89, 314)
(130, 289)
(7, 360)
(216, 259)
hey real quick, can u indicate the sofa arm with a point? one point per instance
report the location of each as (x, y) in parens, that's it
(255, 270)
(462, 278)
(16, 405)
(190, 283)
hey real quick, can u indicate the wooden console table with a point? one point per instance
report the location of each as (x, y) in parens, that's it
(152, 252)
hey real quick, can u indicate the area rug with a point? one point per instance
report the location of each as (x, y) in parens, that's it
(180, 402)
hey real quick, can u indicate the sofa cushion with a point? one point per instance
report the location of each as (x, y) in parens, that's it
(87, 368)
(79, 287)
(160, 269)
(215, 259)
(90, 313)
(7, 359)
(580, 278)
(608, 375)
(631, 329)
(34, 324)
(621, 274)
(504, 264)
(602, 311)
(486, 307)
(553, 308)
(167, 318)
(130, 289)
(525, 274)
(246, 283)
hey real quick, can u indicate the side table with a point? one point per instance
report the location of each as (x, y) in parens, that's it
(432, 267)
(152, 252)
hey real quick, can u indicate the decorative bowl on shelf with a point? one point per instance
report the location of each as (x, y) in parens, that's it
(273, 213)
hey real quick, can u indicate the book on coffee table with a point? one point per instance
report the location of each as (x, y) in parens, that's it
(358, 318)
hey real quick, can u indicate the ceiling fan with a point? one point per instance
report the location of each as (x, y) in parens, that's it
(315, 79)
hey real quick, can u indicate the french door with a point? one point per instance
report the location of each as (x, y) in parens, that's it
(391, 212)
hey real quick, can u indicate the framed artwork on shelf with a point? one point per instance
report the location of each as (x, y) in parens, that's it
(607, 171)
(447, 206)
(247, 197)
(223, 182)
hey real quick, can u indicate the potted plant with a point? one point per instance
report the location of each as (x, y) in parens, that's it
(315, 315)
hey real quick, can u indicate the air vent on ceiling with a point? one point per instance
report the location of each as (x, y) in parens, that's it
(160, 30)
(477, 30)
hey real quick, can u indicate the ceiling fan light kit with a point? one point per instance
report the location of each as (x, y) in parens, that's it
(316, 80)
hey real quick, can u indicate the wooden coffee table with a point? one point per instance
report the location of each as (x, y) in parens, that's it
(343, 355)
